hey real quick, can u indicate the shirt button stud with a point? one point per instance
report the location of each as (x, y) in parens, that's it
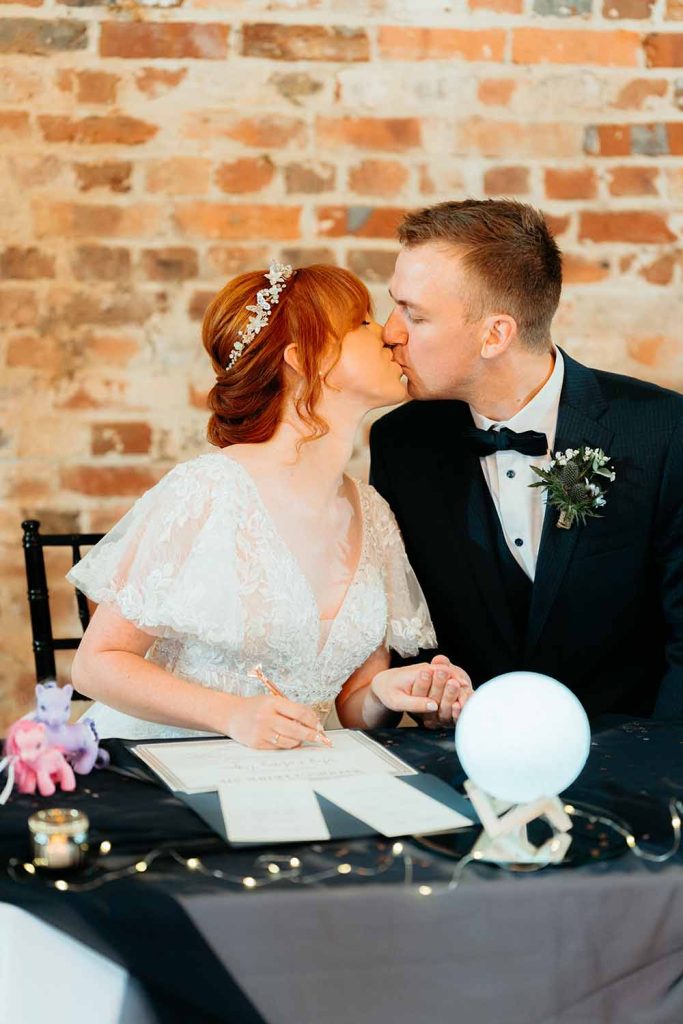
(518, 541)
(511, 474)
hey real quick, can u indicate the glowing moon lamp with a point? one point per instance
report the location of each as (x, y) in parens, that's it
(522, 736)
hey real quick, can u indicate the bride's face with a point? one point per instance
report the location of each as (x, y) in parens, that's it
(366, 369)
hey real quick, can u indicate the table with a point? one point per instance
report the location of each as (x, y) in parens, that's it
(587, 945)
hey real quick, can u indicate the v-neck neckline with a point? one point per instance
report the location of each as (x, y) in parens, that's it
(265, 511)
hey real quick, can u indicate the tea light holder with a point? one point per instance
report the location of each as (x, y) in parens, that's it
(59, 838)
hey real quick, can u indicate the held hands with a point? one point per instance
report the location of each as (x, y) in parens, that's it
(438, 691)
(272, 723)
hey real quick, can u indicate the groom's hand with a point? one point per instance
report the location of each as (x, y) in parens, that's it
(448, 686)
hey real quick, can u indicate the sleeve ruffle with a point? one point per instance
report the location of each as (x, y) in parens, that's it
(169, 565)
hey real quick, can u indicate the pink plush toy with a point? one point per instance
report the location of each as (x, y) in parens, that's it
(32, 763)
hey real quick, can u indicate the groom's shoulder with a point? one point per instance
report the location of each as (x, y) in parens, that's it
(639, 398)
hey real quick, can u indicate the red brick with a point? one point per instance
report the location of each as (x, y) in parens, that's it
(305, 42)
(173, 263)
(108, 481)
(578, 269)
(310, 178)
(179, 175)
(36, 352)
(14, 125)
(499, 6)
(55, 219)
(661, 270)
(111, 349)
(674, 131)
(480, 136)
(306, 255)
(250, 174)
(96, 87)
(633, 181)
(635, 226)
(634, 95)
(664, 50)
(496, 92)
(557, 225)
(570, 184)
(38, 37)
(198, 398)
(232, 221)
(198, 304)
(155, 82)
(612, 140)
(18, 307)
(26, 263)
(407, 43)
(674, 10)
(113, 129)
(140, 40)
(265, 132)
(359, 221)
(120, 438)
(378, 177)
(388, 133)
(113, 175)
(506, 181)
(111, 308)
(634, 9)
(230, 261)
(373, 265)
(614, 48)
(101, 263)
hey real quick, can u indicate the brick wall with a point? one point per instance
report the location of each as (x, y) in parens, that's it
(150, 151)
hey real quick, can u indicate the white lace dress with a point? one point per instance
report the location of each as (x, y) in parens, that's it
(198, 563)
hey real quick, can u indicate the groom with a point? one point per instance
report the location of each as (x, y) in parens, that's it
(599, 605)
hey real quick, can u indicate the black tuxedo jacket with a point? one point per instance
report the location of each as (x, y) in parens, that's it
(606, 612)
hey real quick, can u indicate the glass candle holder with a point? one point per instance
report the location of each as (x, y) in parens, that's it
(59, 837)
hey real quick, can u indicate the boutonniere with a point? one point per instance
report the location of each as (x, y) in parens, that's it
(575, 483)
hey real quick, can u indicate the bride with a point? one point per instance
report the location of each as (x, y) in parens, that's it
(264, 553)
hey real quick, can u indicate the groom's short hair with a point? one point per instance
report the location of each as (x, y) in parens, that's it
(514, 264)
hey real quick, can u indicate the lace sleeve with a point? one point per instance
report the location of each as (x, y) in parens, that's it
(409, 624)
(169, 565)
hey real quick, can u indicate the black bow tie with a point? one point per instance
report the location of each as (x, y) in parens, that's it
(486, 442)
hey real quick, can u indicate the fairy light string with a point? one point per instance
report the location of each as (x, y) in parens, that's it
(270, 869)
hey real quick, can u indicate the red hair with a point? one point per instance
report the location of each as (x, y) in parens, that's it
(319, 305)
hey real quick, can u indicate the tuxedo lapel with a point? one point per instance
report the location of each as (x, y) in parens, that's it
(581, 406)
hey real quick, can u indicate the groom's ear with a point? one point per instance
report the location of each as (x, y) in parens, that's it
(498, 334)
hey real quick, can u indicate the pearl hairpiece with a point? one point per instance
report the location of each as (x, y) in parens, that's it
(278, 275)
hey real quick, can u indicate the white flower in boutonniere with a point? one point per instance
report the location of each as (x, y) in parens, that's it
(575, 483)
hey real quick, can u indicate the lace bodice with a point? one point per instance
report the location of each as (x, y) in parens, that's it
(198, 563)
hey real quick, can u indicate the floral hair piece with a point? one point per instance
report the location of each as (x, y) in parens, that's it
(278, 275)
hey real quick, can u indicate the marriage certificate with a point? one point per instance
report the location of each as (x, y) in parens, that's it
(201, 766)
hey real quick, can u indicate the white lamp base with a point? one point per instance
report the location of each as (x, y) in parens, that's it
(504, 839)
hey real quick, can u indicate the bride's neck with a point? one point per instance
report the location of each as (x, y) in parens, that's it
(313, 469)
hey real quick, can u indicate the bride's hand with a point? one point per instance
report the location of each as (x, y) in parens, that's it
(394, 688)
(274, 723)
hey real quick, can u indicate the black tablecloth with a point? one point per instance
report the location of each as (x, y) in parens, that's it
(601, 942)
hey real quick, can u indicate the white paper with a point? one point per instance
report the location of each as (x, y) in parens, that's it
(266, 812)
(200, 766)
(390, 806)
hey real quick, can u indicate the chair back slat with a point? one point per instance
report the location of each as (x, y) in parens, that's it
(44, 643)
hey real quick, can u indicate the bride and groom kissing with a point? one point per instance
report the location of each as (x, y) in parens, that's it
(524, 511)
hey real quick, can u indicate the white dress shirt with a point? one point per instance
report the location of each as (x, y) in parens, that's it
(508, 474)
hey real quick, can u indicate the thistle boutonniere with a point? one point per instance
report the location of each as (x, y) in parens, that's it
(575, 483)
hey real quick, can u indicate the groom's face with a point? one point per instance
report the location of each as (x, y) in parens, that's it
(428, 329)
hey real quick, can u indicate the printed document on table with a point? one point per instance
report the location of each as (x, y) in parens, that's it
(271, 812)
(201, 766)
(390, 806)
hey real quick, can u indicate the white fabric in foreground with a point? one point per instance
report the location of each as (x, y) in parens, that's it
(198, 563)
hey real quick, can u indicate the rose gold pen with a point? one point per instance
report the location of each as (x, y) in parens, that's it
(257, 673)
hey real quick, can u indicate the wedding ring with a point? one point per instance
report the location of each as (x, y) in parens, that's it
(276, 739)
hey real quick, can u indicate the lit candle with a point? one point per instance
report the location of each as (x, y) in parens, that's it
(60, 837)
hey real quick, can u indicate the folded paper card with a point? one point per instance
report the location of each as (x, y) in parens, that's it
(271, 812)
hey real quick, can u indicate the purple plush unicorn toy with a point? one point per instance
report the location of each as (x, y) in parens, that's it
(79, 742)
